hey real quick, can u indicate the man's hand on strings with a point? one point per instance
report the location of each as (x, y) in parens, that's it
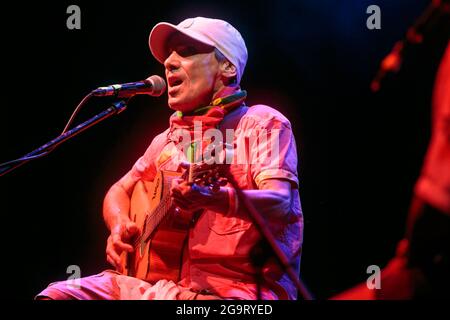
(191, 197)
(119, 241)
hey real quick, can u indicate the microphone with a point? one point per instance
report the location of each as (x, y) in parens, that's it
(153, 86)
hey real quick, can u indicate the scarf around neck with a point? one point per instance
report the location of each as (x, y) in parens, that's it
(209, 117)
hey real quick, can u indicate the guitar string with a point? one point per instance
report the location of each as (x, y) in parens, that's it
(155, 217)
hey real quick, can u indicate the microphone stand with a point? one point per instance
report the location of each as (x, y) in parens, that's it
(435, 11)
(115, 108)
(268, 240)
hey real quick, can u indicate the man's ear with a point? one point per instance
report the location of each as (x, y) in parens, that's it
(228, 70)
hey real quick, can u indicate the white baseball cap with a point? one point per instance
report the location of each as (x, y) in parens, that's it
(214, 32)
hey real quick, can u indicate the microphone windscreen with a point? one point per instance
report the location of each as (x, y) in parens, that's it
(158, 85)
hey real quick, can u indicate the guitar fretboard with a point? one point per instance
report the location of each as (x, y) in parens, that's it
(155, 217)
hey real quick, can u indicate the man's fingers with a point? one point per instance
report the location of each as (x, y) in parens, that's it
(180, 185)
(181, 201)
(113, 258)
(185, 164)
(115, 237)
(119, 244)
(111, 262)
(132, 229)
(175, 189)
(184, 190)
(176, 183)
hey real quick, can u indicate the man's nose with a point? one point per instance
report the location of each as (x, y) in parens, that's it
(172, 62)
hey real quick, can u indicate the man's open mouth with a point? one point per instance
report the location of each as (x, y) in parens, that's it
(174, 82)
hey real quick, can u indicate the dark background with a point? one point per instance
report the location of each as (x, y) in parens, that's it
(359, 152)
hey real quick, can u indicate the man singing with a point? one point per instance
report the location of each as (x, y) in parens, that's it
(204, 61)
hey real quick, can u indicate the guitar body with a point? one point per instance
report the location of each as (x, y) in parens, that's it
(159, 252)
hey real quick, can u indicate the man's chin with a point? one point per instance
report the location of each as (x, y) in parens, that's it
(180, 107)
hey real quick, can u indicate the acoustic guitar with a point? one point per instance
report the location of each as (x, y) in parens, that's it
(158, 250)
